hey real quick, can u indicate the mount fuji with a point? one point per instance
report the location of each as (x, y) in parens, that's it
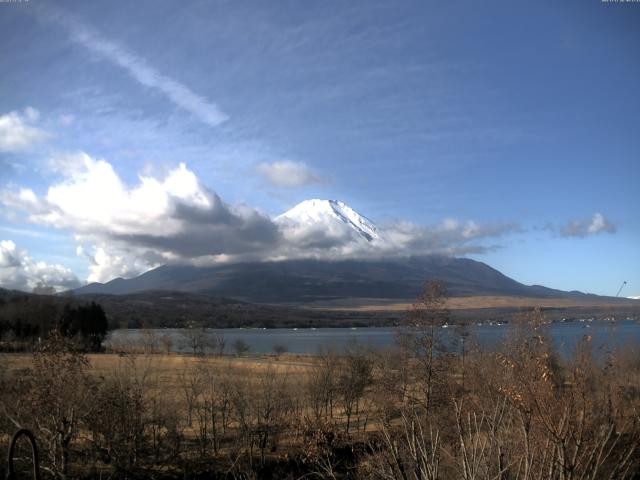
(315, 223)
(331, 215)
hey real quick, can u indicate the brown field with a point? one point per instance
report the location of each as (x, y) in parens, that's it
(357, 415)
(169, 368)
(475, 302)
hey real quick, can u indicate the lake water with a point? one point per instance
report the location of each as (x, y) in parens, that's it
(605, 335)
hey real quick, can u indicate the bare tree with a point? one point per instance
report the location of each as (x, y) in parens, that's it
(150, 341)
(213, 409)
(241, 347)
(58, 399)
(354, 376)
(195, 338)
(272, 406)
(411, 451)
(422, 339)
(167, 343)
(279, 349)
(218, 343)
(124, 412)
(392, 368)
(322, 385)
(192, 384)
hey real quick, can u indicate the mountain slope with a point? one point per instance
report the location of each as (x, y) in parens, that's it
(316, 225)
(312, 280)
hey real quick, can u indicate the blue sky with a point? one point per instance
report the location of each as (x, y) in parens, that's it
(521, 117)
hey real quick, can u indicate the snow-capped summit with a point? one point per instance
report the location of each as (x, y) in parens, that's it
(330, 213)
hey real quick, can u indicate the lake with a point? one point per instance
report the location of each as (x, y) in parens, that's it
(566, 335)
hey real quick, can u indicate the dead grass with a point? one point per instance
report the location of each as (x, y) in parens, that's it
(169, 368)
(475, 302)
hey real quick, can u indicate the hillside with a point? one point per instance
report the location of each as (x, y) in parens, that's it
(178, 309)
(304, 281)
(173, 309)
(322, 278)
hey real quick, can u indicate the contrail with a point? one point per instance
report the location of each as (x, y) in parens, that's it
(136, 66)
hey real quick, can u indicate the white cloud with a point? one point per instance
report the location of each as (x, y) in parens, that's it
(402, 239)
(584, 228)
(107, 262)
(132, 229)
(326, 237)
(450, 237)
(288, 174)
(21, 272)
(126, 230)
(18, 132)
(8, 254)
(600, 224)
(137, 67)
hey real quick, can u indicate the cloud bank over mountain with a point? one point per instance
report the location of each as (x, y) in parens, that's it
(21, 272)
(124, 230)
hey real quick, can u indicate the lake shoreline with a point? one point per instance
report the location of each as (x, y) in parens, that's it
(566, 334)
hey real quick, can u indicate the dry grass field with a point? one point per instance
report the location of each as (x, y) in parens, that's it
(474, 302)
(522, 411)
(166, 372)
